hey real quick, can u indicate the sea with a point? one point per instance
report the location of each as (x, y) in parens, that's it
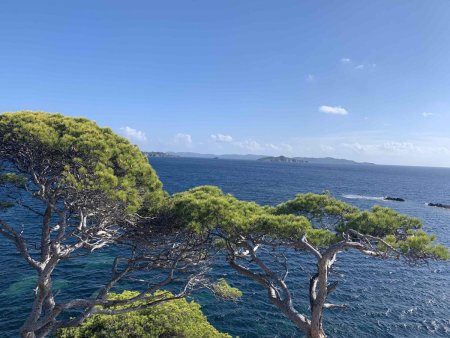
(384, 298)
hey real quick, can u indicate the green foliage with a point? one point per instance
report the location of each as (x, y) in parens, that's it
(399, 231)
(315, 206)
(75, 153)
(10, 179)
(380, 222)
(320, 216)
(223, 290)
(13, 179)
(176, 318)
(206, 208)
(4, 205)
(417, 244)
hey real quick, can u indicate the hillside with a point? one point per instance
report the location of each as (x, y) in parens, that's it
(252, 157)
(282, 159)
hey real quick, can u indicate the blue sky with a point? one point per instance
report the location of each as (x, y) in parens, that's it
(365, 80)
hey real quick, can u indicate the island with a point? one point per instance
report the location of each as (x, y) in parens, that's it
(158, 154)
(331, 160)
(311, 160)
(255, 157)
(282, 159)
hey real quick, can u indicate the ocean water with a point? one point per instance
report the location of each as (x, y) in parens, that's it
(385, 298)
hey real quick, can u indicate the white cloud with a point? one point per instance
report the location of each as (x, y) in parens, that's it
(385, 147)
(336, 110)
(268, 148)
(358, 66)
(251, 145)
(425, 114)
(133, 134)
(399, 150)
(356, 146)
(287, 147)
(283, 147)
(183, 139)
(378, 147)
(326, 148)
(393, 146)
(221, 138)
(310, 78)
(368, 66)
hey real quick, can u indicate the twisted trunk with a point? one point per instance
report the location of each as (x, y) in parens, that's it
(317, 299)
(43, 302)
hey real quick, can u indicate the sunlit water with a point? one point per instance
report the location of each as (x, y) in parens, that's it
(385, 298)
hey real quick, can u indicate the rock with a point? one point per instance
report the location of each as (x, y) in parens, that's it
(397, 199)
(439, 205)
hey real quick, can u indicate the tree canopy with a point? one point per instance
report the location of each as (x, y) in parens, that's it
(75, 155)
(178, 318)
(321, 218)
(86, 187)
(257, 240)
(90, 188)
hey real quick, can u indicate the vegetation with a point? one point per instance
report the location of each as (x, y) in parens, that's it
(86, 186)
(178, 318)
(90, 188)
(223, 290)
(261, 242)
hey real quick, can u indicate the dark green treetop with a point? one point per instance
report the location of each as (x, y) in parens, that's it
(323, 219)
(75, 154)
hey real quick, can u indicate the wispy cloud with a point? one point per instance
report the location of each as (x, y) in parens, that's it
(382, 147)
(425, 114)
(183, 139)
(376, 146)
(268, 148)
(310, 78)
(133, 134)
(367, 66)
(221, 138)
(251, 145)
(335, 110)
(358, 65)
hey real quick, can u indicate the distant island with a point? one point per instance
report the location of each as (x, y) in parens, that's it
(330, 160)
(248, 157)
(252, 157)
(282, 159)
(314, 160)
(159, 154)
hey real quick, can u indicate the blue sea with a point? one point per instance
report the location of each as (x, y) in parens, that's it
(385, 298)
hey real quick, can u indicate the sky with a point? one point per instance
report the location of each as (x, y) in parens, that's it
(362, 80)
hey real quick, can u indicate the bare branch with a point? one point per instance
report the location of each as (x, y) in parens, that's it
(332, 287)
(310, 247)
(331, 306)
(9, 233)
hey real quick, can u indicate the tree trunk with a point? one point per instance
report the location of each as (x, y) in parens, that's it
(317, 333)
(27, 334)
(318, 299)
(43, 302)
